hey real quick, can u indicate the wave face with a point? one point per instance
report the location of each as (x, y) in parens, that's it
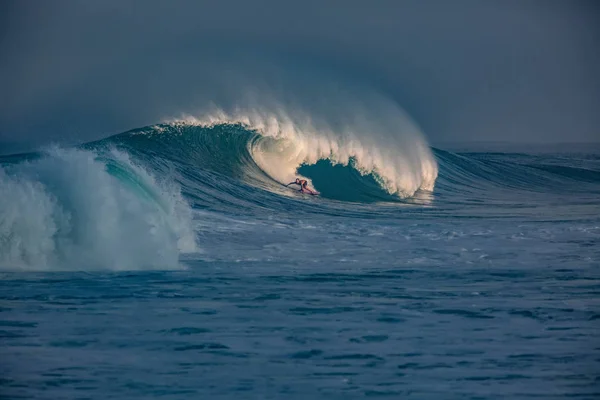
(268, 153)
(77, 209)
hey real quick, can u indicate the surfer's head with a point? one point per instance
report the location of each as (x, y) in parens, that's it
(298, 180)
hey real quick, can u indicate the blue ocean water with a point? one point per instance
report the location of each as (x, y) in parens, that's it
(172, 262)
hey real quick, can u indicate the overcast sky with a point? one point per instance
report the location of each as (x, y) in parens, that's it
(524, 71)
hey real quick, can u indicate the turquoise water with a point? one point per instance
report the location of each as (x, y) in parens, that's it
(171, 262)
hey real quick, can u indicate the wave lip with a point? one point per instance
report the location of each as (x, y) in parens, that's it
(71, 209)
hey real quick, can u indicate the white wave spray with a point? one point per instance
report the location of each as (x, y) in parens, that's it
(371, 130)
(65, 211)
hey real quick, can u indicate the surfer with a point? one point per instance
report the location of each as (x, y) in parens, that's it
(303, 186)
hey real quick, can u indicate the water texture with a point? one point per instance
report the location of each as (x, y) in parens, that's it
(172, 262)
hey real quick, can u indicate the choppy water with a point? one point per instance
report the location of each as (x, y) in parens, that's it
(171, 262)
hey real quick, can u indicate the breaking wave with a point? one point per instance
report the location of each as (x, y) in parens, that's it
(76, 209)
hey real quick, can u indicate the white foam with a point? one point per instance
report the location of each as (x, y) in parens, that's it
(65, 211)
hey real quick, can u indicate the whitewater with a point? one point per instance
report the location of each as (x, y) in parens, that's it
(172, 261)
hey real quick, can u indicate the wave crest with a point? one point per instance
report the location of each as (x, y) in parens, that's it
(379, 140)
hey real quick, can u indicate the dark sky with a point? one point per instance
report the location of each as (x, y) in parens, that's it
(517, 71)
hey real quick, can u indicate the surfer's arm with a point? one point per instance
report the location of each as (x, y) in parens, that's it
(291, 183)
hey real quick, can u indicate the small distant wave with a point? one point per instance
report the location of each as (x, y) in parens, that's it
(484, 174)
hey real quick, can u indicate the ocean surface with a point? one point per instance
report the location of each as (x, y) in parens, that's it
(172, 262)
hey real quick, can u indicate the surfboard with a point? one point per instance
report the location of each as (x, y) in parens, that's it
(312, 192)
